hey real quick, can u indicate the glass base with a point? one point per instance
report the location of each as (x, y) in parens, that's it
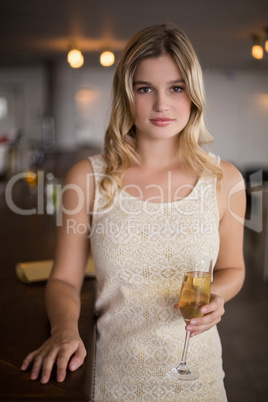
(182, 373)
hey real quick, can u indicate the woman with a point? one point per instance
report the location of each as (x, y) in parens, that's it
(157, 200)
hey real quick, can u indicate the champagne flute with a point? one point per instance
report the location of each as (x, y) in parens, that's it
(195, 293)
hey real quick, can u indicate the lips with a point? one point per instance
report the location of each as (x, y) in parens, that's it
(161, 121)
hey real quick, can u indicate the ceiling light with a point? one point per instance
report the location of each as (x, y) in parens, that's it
(107, 59)
(75, 58)
(266, 40)
(257, 50)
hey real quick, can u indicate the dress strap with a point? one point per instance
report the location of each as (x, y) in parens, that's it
(98, 167)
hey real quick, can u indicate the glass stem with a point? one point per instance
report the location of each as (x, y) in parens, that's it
(185, 348)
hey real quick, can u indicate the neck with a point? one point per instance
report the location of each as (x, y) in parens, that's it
(158, 154)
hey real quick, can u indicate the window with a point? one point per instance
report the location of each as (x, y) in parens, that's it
(3, 107)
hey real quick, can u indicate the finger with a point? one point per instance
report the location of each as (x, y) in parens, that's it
(47, 365)
(215, 303)
(36, 367)
(78, 358)
(62, 363)
(210, 313)
(209, 308)
(64, 356)
(203, 325)
(28, 360)
(195, 333)
(31, 357)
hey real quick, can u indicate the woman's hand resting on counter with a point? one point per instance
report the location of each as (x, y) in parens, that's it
(64, 348)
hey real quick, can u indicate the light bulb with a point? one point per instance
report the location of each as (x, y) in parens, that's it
(266, 39)
(75, 58)
(107, 59)
(266, 45)
(257, 52)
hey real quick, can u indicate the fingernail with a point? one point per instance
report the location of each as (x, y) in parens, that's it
(193, 322)
(203, 310)
(43, 379)
(73, 366)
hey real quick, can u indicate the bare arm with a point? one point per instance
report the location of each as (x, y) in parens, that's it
(65, 347)
(229, 271)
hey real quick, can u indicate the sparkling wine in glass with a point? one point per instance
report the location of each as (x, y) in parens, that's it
(195, 293)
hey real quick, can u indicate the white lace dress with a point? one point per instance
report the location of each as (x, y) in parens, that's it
(141, 251)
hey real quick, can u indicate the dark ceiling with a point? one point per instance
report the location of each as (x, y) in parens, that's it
(34, 31)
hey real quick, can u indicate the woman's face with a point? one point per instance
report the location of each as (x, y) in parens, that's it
(161, 101)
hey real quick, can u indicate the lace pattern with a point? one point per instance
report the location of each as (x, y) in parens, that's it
(141, 251)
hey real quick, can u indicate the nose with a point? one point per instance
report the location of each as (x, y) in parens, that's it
(160, 102)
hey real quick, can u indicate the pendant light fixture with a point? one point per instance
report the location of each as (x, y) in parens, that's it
(260, 44)
(75, 58)
(107, 58)
(266, 40)
(257, 49)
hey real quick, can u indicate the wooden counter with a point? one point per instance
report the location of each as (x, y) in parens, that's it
(23, 321)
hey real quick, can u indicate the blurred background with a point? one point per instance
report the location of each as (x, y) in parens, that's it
(53, 114)
(47, 101)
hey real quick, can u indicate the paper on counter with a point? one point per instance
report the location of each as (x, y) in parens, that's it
(37, 271)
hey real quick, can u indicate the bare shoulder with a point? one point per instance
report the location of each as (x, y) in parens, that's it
(231, 190)
(231, 175)
(79, 172)
(79, 183)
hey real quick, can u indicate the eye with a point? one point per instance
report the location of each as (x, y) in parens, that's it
(177, 89)
(144, 90)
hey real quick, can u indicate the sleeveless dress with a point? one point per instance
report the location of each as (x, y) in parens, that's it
(141, 251)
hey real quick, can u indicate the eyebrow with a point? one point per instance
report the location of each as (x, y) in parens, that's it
(178, 81)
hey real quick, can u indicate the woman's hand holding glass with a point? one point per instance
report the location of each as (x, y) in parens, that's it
(200, 309)
(212, 316)
(65, 348)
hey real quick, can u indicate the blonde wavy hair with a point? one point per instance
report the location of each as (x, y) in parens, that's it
(120, 142)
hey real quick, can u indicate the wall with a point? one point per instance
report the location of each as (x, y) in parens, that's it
(81, 104)
(28, 85)
(237, 116)
(236, 112)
